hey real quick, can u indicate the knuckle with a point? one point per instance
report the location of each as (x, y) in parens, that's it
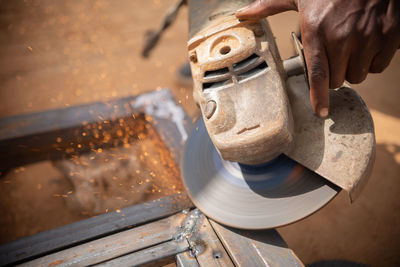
(317, 74)
(313, 23)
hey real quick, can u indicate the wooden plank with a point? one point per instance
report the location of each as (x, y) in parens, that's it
(150, 255)
(256, 248)
(185, 260)
(86, 230)
(115, 245)
(212, 252)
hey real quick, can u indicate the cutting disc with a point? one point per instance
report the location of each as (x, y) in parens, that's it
(265, 196)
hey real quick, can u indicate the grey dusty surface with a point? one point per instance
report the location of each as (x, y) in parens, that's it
(59, 53)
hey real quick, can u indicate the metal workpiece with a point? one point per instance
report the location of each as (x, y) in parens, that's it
(189, 231)
(189, 238)
(116, 245)
(37, 132)
(185, 260)
(204, 245)
(256, 248)
(31, 137)
(80, 232)
(211, 244)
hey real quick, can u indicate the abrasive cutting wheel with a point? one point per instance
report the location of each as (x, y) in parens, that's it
(273, 194)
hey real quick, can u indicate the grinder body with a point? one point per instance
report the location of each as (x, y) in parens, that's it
(239, 83)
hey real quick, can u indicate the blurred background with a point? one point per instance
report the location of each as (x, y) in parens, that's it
(56, 54)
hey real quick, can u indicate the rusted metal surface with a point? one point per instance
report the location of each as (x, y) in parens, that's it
(86, 230)
(340, 148)
(115, 245)
(255, 248)
(167, 117)
(188, 237)
(153, 255)
(204, 244)
(49, 134)
(211, 251)
(185, 260)
(32, 137)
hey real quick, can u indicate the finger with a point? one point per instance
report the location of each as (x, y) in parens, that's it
(359, 64)
(318, 72)
(391, 37)
(383, 58)
(338, 57)
(264, 8)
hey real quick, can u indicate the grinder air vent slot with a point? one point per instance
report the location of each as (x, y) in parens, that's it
(210, 85)
(252, 72)
(247, 63)
(216, 75)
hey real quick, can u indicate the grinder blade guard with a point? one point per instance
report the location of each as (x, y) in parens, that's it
(259, 157)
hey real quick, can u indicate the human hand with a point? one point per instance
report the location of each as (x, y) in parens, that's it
(342, 39)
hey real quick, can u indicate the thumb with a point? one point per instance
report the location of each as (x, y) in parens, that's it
(264, 8)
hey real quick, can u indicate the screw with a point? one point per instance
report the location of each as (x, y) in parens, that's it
(193, 57)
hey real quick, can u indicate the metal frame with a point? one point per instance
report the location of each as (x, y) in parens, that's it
(153, 233)
(189, 238)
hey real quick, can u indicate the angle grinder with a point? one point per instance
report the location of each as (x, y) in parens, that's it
(259, 158)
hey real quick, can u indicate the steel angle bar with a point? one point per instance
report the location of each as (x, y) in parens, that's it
(185, 260)
(46, 135)
(210, 251)
(256, 248)
(167, 117)
(154, 255)
(77, 233)
(117, 245)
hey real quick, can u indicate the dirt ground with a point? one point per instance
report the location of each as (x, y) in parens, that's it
(62, 53)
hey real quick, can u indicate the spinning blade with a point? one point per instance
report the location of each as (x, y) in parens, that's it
(273, 194)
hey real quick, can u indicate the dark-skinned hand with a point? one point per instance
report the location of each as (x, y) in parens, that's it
(342, 39)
